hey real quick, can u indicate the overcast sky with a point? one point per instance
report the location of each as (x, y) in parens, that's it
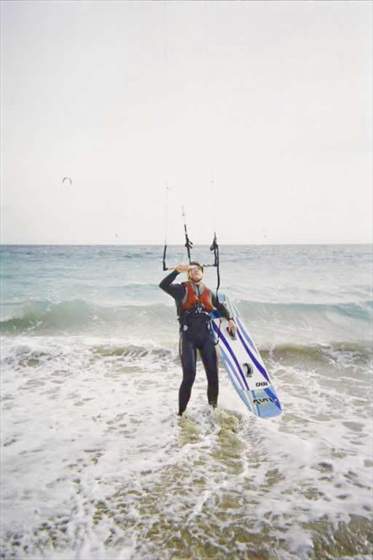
(256, 114)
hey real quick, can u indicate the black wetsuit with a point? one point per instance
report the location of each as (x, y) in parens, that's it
(195, 333)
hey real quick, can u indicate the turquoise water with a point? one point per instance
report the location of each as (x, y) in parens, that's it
(95, 463)
(280, 290)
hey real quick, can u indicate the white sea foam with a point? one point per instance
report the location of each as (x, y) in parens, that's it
(94, 454)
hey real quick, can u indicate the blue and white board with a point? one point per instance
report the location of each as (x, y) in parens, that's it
(245, 366)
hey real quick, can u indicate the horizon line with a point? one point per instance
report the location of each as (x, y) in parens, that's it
(178, 244)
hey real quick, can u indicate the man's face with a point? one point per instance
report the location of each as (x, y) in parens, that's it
(195, 273)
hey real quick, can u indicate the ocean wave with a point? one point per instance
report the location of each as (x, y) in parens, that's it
(347, 352)
(34, 353)
(40, 315)
(74, 316)
(131, 351)
(361, 311)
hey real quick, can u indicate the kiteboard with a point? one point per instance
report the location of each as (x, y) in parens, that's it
(244, 365)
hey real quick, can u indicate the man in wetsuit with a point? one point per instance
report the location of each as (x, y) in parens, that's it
(194, 302)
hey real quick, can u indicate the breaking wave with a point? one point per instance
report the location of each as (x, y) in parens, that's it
(79, 316)
(37, 354)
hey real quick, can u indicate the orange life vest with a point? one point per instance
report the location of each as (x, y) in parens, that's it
(192, 299)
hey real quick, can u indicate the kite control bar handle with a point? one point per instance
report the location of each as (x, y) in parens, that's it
(165, 267)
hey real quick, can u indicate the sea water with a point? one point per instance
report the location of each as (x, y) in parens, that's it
(95, 464)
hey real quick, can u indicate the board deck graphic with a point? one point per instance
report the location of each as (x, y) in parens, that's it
(245, 366)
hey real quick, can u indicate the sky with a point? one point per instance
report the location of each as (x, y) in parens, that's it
(256, 116)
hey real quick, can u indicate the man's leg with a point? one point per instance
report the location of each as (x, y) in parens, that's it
(210, 362)
(188, 358)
